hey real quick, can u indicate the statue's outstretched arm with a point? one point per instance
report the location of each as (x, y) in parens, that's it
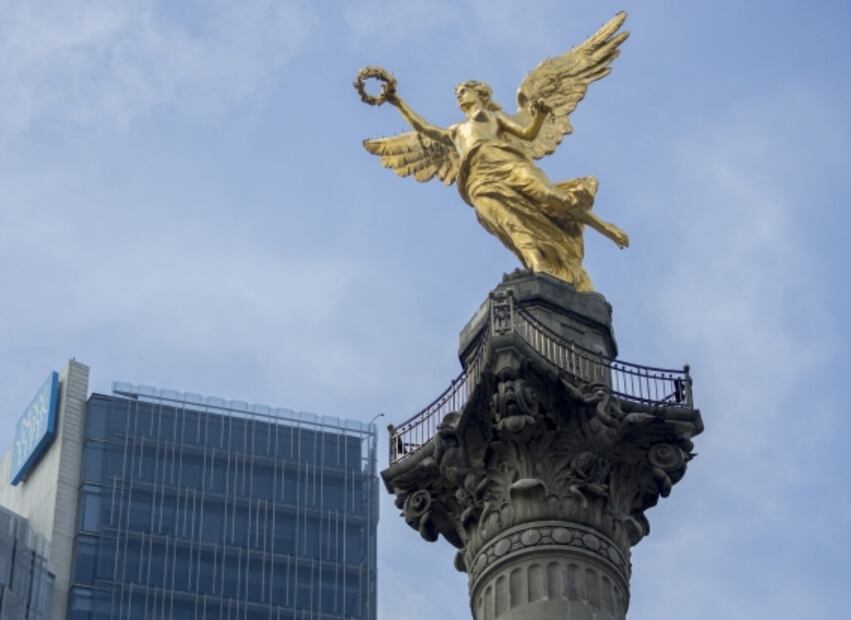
(530, 131)
(419, 123)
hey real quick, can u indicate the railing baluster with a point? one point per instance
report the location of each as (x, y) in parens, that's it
(651, 388)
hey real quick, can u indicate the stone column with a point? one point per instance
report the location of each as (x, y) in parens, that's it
(540, 475)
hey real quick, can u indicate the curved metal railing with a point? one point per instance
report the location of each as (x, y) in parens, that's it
(415, 432)
(631, 382)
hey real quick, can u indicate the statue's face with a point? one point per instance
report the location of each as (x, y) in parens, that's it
(468, 98)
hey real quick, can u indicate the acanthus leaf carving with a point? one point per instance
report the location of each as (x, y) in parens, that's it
(532, 445)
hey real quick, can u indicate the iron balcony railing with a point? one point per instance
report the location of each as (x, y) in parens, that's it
(630, 382)
(414, 433)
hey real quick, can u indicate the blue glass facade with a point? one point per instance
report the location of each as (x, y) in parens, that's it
(195, 508)
(26, 585)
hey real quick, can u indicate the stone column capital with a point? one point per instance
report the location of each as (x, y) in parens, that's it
(547, 467)
(532, 445)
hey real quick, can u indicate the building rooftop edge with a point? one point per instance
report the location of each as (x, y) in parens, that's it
(240, 408)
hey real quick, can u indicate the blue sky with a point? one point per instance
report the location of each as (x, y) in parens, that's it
(185, 202)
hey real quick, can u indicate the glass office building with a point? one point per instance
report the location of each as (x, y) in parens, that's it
(197, 508)
(156, 505)
(26, 584)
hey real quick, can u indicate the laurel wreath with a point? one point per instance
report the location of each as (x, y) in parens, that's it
(388, 87)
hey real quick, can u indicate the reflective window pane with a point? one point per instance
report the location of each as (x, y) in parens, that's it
(191, 513)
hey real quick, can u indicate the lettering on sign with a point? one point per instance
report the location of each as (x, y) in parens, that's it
(35, 430)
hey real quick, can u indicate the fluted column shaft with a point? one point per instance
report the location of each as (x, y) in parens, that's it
(550, 570)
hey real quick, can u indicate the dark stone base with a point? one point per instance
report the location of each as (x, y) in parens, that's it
(583, 318)
(539, 462)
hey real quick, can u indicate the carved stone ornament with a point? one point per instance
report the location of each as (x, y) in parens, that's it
(546, 475)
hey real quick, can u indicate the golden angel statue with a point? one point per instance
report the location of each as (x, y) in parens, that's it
(490, 156)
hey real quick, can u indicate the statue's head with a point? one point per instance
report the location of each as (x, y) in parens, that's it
(473, 92)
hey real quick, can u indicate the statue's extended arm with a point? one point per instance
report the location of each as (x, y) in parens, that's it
(530, 132)
(419, 123)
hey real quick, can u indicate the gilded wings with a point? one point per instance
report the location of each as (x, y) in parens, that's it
(412, 153)
(562, 82)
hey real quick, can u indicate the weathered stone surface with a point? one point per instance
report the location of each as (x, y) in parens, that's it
(541, 479)
(549, 579)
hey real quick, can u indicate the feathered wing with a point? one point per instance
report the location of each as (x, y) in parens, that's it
(413, 154)
(562, 83)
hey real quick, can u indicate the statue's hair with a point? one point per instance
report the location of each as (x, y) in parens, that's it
(483, 90)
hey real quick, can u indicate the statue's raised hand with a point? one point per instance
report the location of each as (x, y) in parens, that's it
(540, 107)
(388, 87)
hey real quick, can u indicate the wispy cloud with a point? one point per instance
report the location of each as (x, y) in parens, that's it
(742, 295)
(465, 25)
(108, 62)
(202, 305)
(124, 282)
(396, 22)
(744, 291)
